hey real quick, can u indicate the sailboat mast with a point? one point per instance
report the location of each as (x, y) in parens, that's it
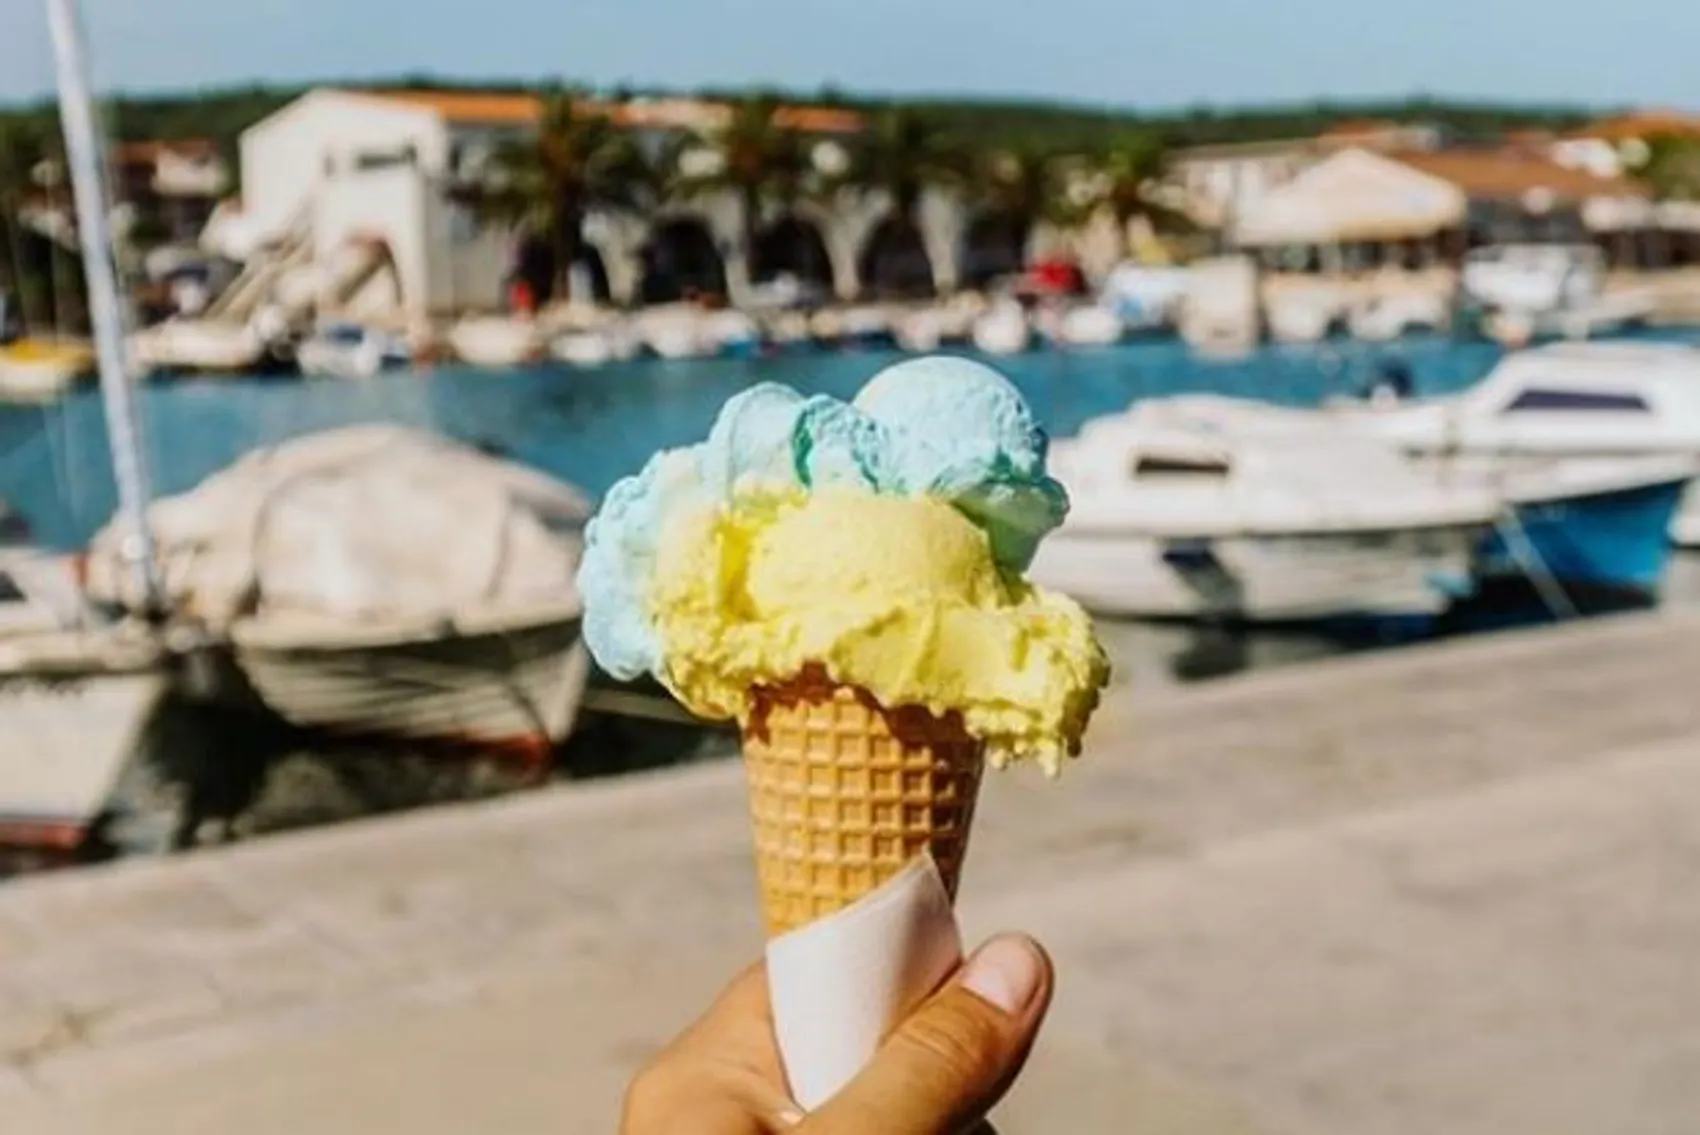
(86, 152)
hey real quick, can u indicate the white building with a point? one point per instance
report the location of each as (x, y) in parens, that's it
(356, 174)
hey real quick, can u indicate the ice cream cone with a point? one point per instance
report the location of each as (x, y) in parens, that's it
(844, 793)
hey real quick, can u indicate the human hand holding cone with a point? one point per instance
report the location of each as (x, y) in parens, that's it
(845, 582)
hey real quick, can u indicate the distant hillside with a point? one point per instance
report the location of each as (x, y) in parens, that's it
(222, 114)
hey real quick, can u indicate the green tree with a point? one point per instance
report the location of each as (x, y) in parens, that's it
(1126, 174)
(22, 149)
(902, 154)
(755, 159)
(1673, 168)
(579, 159)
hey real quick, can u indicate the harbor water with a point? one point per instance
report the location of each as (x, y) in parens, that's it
(210, 776)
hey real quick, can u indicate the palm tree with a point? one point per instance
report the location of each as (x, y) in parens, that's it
(903, 155)
(1016, 189)
(1672, 168)
(580, 159)
(21, 153)
(755, 159)
(1126, 174)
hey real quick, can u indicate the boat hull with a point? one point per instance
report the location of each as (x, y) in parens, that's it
(69, 739)
(1287, 578)
(38, 380)
(515, 688)
(1612, 543)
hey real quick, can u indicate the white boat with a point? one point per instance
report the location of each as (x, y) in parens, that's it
(1559, 400)
(36, 371)
(677, 332)
(508, 678)
(919, 332)
(1579, 530)
(1176, 523)
(1219, 314)
(199, 346)
(1089, 327)
(1530, 291)
(1301, 318)
(350, 350)
(583, 348)
(379, 581)
(76, 695)
(497, 342)
(1383, 318)
(75, 702)
(1003, 330)
(732, 333)
(1145, 297)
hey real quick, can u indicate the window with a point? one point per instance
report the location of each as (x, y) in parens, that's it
(1155, 466)
(1535, 398)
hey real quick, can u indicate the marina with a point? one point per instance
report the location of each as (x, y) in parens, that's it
(332, 691)
(461, 543)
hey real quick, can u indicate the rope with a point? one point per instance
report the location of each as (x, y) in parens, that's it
(1528, 557)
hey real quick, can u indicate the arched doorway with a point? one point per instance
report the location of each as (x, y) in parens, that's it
(994, 245)
(535, 264)
(894, 262)
(792, 246)
(681, 261)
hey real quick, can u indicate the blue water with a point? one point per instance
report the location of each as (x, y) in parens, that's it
(592, 427)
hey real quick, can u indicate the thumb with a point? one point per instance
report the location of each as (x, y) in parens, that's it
(955, 1057)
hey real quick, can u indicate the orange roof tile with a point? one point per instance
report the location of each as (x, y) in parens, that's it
(1512, 173)
(819, 120)
(471, 106)
(524, 109)
(150, 151)
(1642, 124)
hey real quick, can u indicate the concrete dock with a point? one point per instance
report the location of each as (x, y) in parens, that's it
(1444, 890)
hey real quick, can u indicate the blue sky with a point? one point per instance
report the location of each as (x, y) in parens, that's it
(1123, 52)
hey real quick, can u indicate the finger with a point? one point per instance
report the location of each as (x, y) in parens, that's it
(954, 1058)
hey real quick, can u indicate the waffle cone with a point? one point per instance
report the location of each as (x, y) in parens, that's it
(844, 793)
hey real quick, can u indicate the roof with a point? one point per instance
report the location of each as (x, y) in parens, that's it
(470, 106)
(1356, 194)
(1511, 173)
(1353, 128)
(151, 151)
(1642, 125)
(521, 109)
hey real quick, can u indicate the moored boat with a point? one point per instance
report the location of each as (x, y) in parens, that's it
(1170, 523)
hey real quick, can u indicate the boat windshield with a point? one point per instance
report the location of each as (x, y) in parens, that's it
(343, 335)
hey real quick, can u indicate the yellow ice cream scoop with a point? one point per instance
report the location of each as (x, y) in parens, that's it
(897, 595)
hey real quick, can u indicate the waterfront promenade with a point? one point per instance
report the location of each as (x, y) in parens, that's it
(1447, 889)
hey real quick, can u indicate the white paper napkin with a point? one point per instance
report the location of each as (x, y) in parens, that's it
(839, 984)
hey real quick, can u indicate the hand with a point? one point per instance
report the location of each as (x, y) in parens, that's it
(939, 1073)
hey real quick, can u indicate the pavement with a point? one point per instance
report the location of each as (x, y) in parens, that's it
(1445, 889)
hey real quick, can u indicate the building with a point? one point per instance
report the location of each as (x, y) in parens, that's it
(1221, 181)
(1615, 146)
(363, 178)
(1358, 210)
(173, 186)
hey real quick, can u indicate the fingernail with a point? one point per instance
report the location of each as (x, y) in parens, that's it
(790, 1117)
(1005, 972)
